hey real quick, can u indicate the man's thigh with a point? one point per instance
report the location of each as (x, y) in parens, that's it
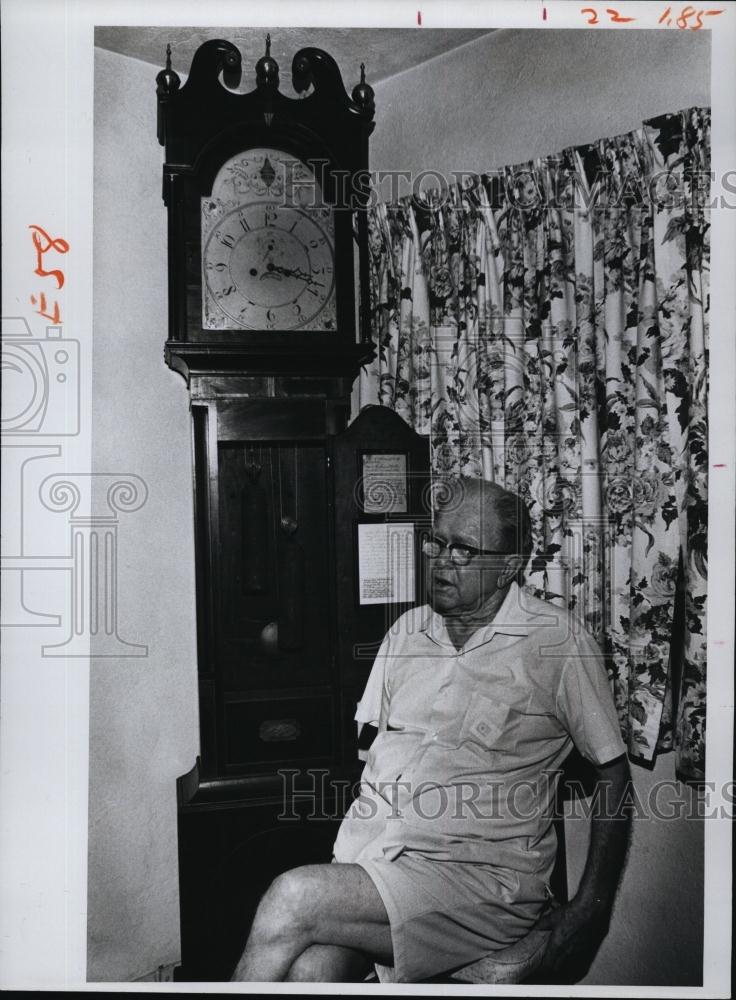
(342, 906)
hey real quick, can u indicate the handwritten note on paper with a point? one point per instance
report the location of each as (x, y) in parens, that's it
(42, 243)
(384, 484)
(386, 563)
(687, 17)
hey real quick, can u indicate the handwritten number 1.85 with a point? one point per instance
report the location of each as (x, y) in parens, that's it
(685, 14)
(682, 20)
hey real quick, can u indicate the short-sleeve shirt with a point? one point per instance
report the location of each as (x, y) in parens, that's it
(470, 741)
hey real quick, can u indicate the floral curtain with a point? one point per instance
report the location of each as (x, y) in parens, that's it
(546, 325)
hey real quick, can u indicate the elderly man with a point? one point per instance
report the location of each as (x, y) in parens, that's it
(446, 854)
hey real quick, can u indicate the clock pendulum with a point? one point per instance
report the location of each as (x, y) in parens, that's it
(269, 636)
(291, 571)
(287, 631)
(254, 520)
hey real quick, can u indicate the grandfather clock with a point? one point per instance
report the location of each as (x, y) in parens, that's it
(269, 325)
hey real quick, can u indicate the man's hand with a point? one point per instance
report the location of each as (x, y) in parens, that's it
(576, 931)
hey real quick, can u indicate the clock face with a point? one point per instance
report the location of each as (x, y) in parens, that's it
(267, 256)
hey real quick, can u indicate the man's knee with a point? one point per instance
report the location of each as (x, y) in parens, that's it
(289, 900)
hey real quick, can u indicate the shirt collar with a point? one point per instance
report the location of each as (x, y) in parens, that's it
(512, 618)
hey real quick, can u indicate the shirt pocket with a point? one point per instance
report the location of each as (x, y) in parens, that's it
(485, 723)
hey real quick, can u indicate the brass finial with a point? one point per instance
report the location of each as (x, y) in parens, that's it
(167, 81)
(363, 94)
(267, 69)
(167, 84)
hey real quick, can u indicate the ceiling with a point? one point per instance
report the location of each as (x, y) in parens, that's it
(385, 51)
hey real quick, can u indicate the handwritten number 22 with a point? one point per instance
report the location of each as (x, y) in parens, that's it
(614, 16)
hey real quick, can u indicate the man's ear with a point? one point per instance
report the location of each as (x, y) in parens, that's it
(511, 568)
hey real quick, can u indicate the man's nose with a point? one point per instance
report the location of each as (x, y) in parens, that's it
(445, 557)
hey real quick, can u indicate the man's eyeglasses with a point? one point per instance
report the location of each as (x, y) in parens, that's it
(460, 554)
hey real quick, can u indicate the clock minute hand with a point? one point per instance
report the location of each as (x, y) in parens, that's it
(289, 272)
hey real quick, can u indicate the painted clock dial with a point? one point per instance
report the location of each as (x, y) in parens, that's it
(267, 247)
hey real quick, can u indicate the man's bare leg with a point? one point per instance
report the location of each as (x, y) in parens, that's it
(330, 963)
(331, 904)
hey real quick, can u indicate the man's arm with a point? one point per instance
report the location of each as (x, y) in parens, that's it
(578, 927)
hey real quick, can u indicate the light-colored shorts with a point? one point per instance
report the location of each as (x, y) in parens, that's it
(447, 914)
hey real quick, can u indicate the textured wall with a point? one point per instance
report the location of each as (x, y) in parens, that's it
(522, 95)
(143, 712)
(514, 95)
(656, 934)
